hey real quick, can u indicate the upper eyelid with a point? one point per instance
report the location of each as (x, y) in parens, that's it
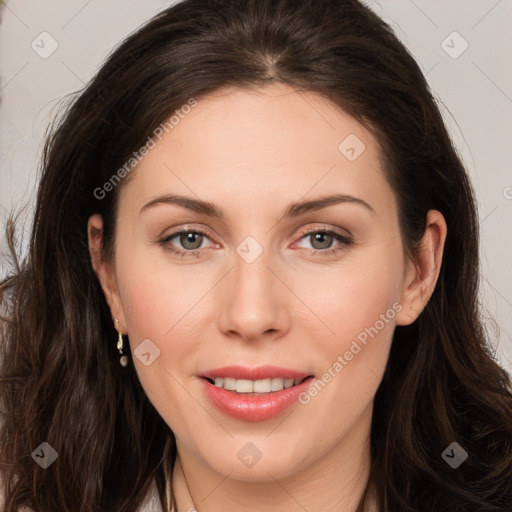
(327, 229)
(180, 231)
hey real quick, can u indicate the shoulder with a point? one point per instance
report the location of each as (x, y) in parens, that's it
(152, 501)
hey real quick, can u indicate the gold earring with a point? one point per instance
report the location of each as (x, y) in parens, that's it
(123, 360)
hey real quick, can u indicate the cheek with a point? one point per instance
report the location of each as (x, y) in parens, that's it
(357, 296)
(357, 306)
(168, 305)
(164, 307)
(156, 292)
(164, 310)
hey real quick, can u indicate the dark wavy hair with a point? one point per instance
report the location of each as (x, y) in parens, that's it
(61, 381)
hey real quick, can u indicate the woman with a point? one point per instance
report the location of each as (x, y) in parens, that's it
(252, 282)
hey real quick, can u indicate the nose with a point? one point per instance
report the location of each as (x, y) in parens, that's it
(254, 303)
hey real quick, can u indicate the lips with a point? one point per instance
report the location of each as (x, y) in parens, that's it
(255, 394)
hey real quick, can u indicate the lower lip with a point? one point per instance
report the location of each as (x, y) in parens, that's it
(248, 407)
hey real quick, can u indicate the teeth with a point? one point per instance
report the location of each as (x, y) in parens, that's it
(262, 386)
(255, 386)
(244, 386)
(276, 384)
(229, 384)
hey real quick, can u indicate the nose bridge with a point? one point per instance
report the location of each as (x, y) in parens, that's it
(253, 277)
(251, 261)
(253, 280)
(253, 305)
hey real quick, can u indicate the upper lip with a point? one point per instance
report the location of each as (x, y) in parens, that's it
(258, 373)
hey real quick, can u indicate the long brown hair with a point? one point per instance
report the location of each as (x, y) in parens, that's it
(61, 381)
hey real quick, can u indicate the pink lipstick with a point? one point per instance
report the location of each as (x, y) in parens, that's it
(254, 394)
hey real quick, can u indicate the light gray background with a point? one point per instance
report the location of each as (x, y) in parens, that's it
(474, 91)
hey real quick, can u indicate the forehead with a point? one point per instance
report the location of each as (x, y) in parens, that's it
(239, 142)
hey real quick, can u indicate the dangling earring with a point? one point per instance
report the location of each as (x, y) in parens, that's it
(124, 358)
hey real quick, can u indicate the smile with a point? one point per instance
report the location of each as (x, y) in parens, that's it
(256, 394)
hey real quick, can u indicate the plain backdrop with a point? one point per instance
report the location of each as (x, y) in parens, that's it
(51, 48)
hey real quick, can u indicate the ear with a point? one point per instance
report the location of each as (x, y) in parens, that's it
(105, 271)
(422, 273)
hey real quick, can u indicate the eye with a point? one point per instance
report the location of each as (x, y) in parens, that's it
(189, 242)
(321, 241)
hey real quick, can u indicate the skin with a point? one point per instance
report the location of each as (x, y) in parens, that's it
(252, 153)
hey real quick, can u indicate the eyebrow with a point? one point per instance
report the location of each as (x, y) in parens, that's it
(292, 210)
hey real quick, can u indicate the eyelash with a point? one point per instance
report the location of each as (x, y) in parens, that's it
(345, 241)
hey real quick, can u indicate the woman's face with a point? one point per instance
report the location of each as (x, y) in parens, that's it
(277, 284)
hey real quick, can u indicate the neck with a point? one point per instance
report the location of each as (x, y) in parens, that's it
(333, 482)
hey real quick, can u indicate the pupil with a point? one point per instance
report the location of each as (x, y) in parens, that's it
(187, 238)
(327, 239)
